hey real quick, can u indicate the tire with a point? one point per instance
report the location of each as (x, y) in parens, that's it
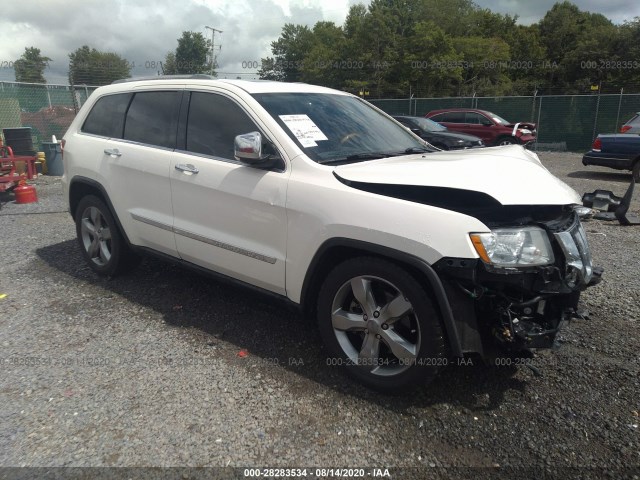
(506, 141)
(636, 171)
(406, 346)
(102, 244)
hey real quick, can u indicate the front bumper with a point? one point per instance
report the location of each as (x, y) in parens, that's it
(520, 308)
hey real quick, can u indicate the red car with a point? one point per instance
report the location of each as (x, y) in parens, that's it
(491, 128)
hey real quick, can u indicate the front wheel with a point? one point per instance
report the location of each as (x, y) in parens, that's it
(381, 325)
(102, 244)
(506, 141)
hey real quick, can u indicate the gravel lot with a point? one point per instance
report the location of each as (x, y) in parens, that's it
(164, 367)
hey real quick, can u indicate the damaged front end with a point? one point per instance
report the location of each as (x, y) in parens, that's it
(527, 282)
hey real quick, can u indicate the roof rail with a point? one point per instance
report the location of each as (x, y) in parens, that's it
(195, 76)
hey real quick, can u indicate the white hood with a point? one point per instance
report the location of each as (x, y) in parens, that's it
(510, 174)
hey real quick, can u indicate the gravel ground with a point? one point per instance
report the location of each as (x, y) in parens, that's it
(164, 367)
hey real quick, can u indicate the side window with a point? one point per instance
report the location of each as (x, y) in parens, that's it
(440, 117)
(153, 118)
(478, 119)
(472, 118)
(453, 117)
(213, 123)
(107, 116)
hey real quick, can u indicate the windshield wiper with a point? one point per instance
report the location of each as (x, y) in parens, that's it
(418, 150)
(360, 156)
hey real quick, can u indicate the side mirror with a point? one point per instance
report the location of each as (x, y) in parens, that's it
(247, 148)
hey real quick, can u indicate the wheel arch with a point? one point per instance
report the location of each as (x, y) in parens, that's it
(335, 250)
(515, 140)
(80, 187)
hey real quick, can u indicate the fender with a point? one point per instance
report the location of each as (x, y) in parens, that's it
(427, 270)
(97, 186)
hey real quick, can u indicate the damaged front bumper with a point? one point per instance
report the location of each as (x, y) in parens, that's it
(520, 308)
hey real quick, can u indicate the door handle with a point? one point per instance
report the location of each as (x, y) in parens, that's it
(113, 152)
(186, 168)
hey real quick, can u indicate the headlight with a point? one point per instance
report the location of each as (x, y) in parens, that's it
(524, 131)
(514, 247)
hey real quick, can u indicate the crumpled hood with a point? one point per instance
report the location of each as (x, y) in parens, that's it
(510, 174)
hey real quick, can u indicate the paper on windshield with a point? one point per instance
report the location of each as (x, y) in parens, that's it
(304, 129)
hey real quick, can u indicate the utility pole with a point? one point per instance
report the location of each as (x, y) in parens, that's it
(213, 46)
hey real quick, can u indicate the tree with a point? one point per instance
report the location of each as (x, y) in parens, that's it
(191, 54)
(289, 52)
(485, 64)
(88, 66)
(30, 66)
(435, 68)
(323, 65)
(169, 66)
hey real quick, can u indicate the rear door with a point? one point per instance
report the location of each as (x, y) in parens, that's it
(455, 121)
(228, 217)
(137, 168)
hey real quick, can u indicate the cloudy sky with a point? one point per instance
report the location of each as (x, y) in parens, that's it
(143, 31)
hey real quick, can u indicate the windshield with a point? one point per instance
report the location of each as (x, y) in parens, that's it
(338, 128)
(498, 119)
(429, 125)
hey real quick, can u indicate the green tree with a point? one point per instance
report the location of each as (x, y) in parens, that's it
(30, 66)
(88, 66)
(325, 63)
(192, 54)
(289, 52)
(573, 37)
(169, 65)
(434, 66)
(485, 64)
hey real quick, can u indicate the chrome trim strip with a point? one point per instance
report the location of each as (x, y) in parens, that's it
(200, 238)
(226, 246)
(153, 223)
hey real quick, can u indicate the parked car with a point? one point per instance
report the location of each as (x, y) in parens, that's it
(632, 126)
(438, 135)
(491, 128)
(406, 259)
(618, 151)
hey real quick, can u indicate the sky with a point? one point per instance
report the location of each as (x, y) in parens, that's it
(143, 31)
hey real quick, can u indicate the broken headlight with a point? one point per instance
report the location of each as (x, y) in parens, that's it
(514, 247)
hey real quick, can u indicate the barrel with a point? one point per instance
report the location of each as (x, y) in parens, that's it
(53, 154)
(20, 141)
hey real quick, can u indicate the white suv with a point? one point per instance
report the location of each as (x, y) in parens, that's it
(408, 257)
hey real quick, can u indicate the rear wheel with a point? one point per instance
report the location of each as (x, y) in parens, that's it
(102, 243)
(381, 325)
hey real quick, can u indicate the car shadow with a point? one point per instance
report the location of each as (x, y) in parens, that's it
(622, 177)
(269, 330)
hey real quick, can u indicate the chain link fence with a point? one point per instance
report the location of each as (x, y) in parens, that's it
(565, 122)
(47, 109)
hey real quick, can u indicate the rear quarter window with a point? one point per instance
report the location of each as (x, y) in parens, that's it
(106, 118)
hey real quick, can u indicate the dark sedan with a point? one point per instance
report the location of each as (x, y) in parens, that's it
(437, 135)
